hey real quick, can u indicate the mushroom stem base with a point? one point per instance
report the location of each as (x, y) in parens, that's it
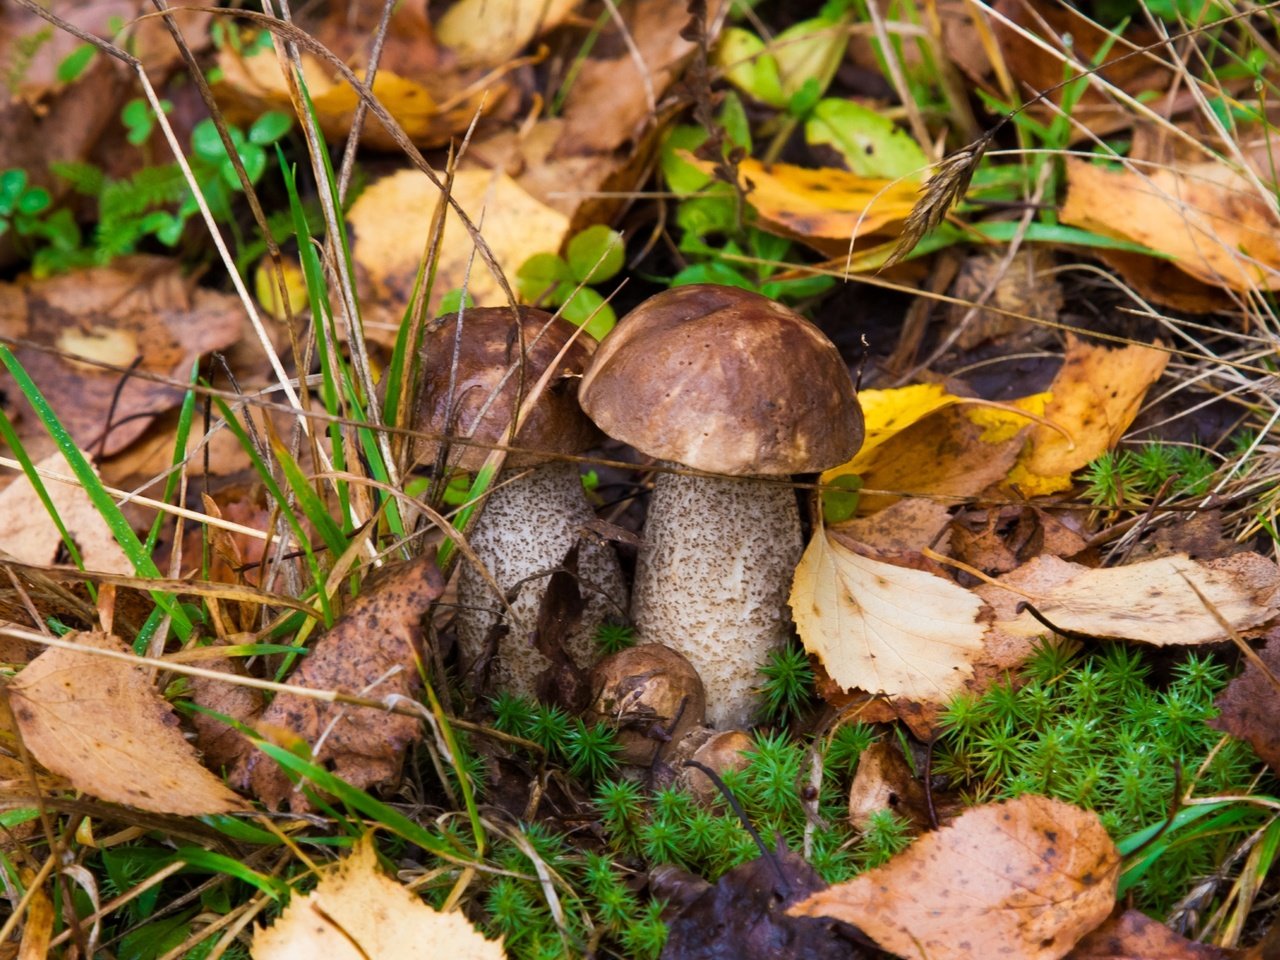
(712, 581)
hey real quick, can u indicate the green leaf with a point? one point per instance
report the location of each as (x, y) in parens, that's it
(871, 145)
(700, 216)
(36, 200)
(841, 504)
(12, 184)
(587, 309)
(206, 144)
(540, 273)
(596, 254)
(683, 177)
(804, 99)
(451, 302)
(810, 50)
(254, 159)
(270, 127)
(749, 66)
(75, 63)
(1057, 233)
(736, 123)
(136, 116)
(714, 272)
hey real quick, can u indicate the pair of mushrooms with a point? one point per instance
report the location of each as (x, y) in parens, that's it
(707, 377)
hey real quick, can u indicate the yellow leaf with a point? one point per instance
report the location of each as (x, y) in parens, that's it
(1096, 394)
(392, 220)
(100, 723)
(1026, 878)
(884, 628)
(357, 912)
(491, 31)
(825, 204)
(887, 412)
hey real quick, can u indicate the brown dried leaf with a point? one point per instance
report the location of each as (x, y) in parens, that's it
(1133, 935)
(357, 912)
(31, 536)
(884, 628)
(223, 746)
(884, 781)
(910, 524)
(100, 723)
(1027, 878)
(1248, 707)
(142, 306)
(491, 31)
(371, 651)
(1153, 602)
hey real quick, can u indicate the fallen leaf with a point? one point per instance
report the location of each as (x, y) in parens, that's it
(910, 524)
(371, 651)
(100, 723)
(223, 746)
(146, 301)
(824, 207)
(743, 915)
(884, 628)
(491, 31)
(1153, 601)
(1026, 878)
(1248, 707)
(1095, 396)
(1027, 286)
(1133, 935)
(357, 912)
(31, 536)
(870, 144)
(388, 246)
(1209, 221)
(884, 781)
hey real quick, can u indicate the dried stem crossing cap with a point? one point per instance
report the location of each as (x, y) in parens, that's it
(727, 381)
(488, 349)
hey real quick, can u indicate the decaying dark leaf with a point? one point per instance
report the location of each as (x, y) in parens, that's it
(1133, 935)
(743, 916)
(370, 652)
(224, 746)
(1248, 708)
(562, 681)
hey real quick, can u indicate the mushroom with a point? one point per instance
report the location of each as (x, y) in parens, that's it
(537, 508)
(728, 382)
(651, 694)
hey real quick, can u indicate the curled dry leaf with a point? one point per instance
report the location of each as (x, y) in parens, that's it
(884, 628)
(100, 723)
(1154, 601)
(389, 246)
(1026, 878)
(1209, 221)
(371, 651)
(357, 912)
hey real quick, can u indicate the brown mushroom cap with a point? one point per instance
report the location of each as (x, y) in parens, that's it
(724, 380)
(490, 347)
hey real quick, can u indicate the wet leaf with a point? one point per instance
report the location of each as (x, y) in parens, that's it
(100, 723)
(371, 651)
(1026, 878)
(884, 628)
(357, 912)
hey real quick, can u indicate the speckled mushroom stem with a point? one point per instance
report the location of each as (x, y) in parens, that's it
(712, 580)
(527, 526)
